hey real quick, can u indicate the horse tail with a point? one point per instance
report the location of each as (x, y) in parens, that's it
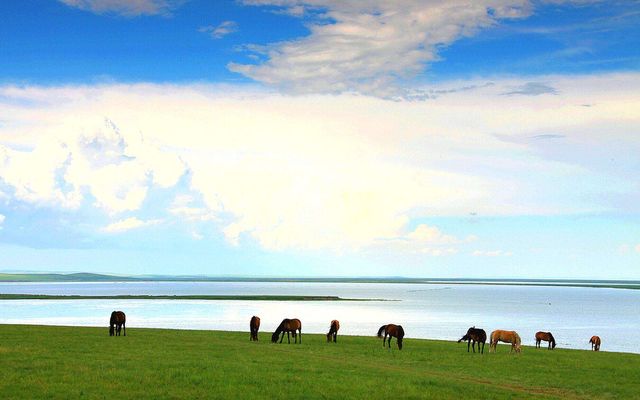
(382, 328)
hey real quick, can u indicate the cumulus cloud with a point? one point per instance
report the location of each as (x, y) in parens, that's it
(127, 8)
(221, 30)
(2, 218)
(323, 172)
(117, 170)
(128, 224)
(369, 46)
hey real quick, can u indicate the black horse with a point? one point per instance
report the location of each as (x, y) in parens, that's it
(476, 335)
(288, 326)
(117, 323)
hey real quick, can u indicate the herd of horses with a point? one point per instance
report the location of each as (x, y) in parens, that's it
(293, 327)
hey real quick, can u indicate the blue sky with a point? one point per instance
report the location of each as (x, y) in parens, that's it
(321, 138)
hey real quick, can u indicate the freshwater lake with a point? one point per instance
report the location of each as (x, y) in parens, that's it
(433, 311)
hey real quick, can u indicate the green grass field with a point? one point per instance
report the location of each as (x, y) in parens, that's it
(68, 362)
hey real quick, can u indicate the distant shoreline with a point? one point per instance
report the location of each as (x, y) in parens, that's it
(88, 277)
(179, 297)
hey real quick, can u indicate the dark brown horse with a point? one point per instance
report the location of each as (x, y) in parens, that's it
(116, 323)
(475, 335)
(391, 330)
(333, 331)
(288, 325)
(254, 325)
(595, 343)
(547, 337)
(506, 337)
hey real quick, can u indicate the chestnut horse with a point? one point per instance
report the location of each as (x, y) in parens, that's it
(254, 325)
(547, 337)
(392, 331)
(595, 343)
(333, 330)
(116, 323)
(506, 337)
(288, 325)
(476, 335)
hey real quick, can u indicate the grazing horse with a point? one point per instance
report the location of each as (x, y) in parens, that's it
(288, 325)
(391, 330)
(595, 343)
(333, 330)
(506, 337)
(254, 325)
(476, 335)
(547, 337)
(116, 323)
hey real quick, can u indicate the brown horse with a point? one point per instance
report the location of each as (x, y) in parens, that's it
(254, 325)
(595, 343)
(391, 330)
(116, 323)
(286, 326)
(547, 337)
(333, 330)
(506, 337)
(476, 335)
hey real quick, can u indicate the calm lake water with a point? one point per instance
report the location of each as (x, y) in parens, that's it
(437, 311)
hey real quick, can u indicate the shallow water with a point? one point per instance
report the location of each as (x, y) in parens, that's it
(435, 311)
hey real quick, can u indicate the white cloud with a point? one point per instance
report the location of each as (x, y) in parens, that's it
(492, 253)
(2, 218)
(369, 46)
(221, 30)
(326, 172)
(114, 168)
(127, 8)
(128, 224)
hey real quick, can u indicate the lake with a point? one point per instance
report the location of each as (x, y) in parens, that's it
(433, 311)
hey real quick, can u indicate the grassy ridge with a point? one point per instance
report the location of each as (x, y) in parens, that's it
(71, 362)
(179, 297)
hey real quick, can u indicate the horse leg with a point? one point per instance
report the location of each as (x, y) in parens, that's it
(482, 352)
(288, 338)
(468, 343)
(124, 327)
(473, 346)
(300, 333)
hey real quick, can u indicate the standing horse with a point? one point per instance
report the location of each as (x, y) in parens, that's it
(333, 330)
(547, 337)
(116, 323)
(392, 331)
(286, 326)
(254, 325)
(595, 343)
(476, 335)
(506, 337)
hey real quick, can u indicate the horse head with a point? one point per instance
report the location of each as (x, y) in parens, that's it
(111, 330)
(274, 337)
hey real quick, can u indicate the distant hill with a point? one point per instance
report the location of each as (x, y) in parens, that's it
(77, 277)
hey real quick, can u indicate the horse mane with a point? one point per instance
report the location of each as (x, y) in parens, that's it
(382, 328)
(518, 341)
(551, 337)
(400, 332)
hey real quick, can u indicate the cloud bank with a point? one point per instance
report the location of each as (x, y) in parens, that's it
(322, 172)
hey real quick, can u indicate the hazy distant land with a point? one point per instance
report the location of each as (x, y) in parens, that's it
(90, 277)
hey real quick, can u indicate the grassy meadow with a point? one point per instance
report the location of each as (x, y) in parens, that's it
(72, 362)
